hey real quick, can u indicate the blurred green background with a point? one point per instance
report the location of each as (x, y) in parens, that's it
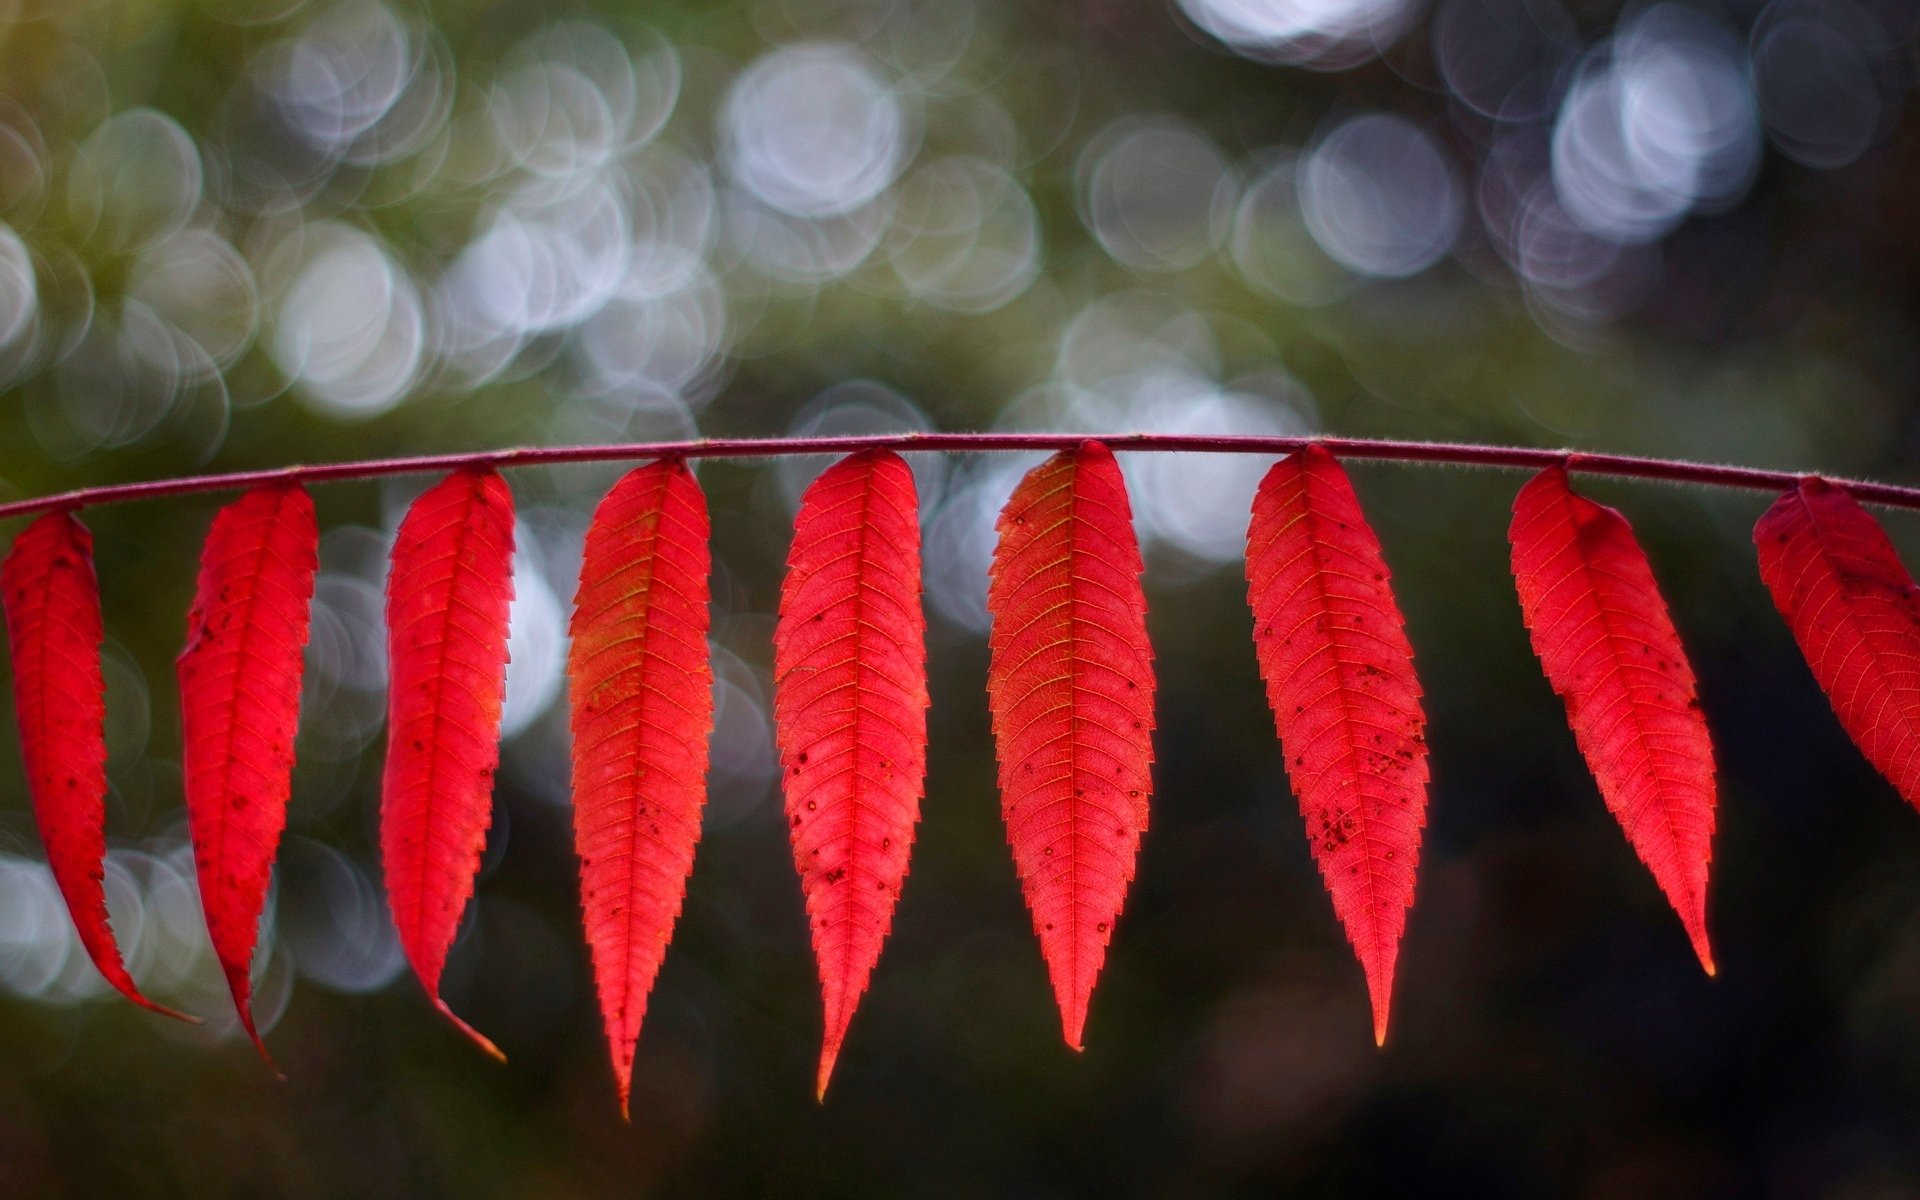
(240, 233)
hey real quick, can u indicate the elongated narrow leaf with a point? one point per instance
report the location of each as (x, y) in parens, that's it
(641, 693)
(1611, 653)
(850, 702)
(1855, 612)
(1070, 685)
(59, 695)
(239, 708)
(1339, 671)
(447, 599)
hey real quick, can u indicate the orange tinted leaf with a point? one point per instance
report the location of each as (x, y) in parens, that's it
(59, 697)
(240, 707)
(1071, 687)
(1339, 672)
(1611, 653)
(447, 599)
(641, 693)
(1855, 613)
(850, 702)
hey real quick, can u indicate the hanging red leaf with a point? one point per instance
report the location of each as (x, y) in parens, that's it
(59, 696)
(641, 692)
(1070, 684)
(1853, 609)
(850, 703)
(1611, 653)
(240, 707)
(1339, 671)
(447, 597)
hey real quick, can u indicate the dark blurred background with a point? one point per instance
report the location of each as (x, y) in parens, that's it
(242, 233)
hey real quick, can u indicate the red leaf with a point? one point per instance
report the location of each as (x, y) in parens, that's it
(1333, 650)
(641, 692)
(1071, 688)
(850, 703)
(55, 631)
(240, 707)
(1610, 651)
(1856, 615)
(447, 599)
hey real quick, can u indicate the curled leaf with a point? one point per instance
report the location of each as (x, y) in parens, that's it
(447, 598)
(240, 707)
(55, 631)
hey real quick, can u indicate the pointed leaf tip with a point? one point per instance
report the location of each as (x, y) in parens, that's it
(1380, 999)
(473, 1035)
(829, 1054)
(1608, 647)
(448, 594)
(240, 675)
(245, 1012)
(55, 631)
(242, 992)
(1070, 684)
(640, 699)
(1339, 672)
(850, 714)
(1855, 614)
(185, 1018)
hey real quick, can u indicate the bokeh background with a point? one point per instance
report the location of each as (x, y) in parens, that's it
(241, 233)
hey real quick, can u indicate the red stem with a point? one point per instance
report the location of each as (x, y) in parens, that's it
(1451, 453)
